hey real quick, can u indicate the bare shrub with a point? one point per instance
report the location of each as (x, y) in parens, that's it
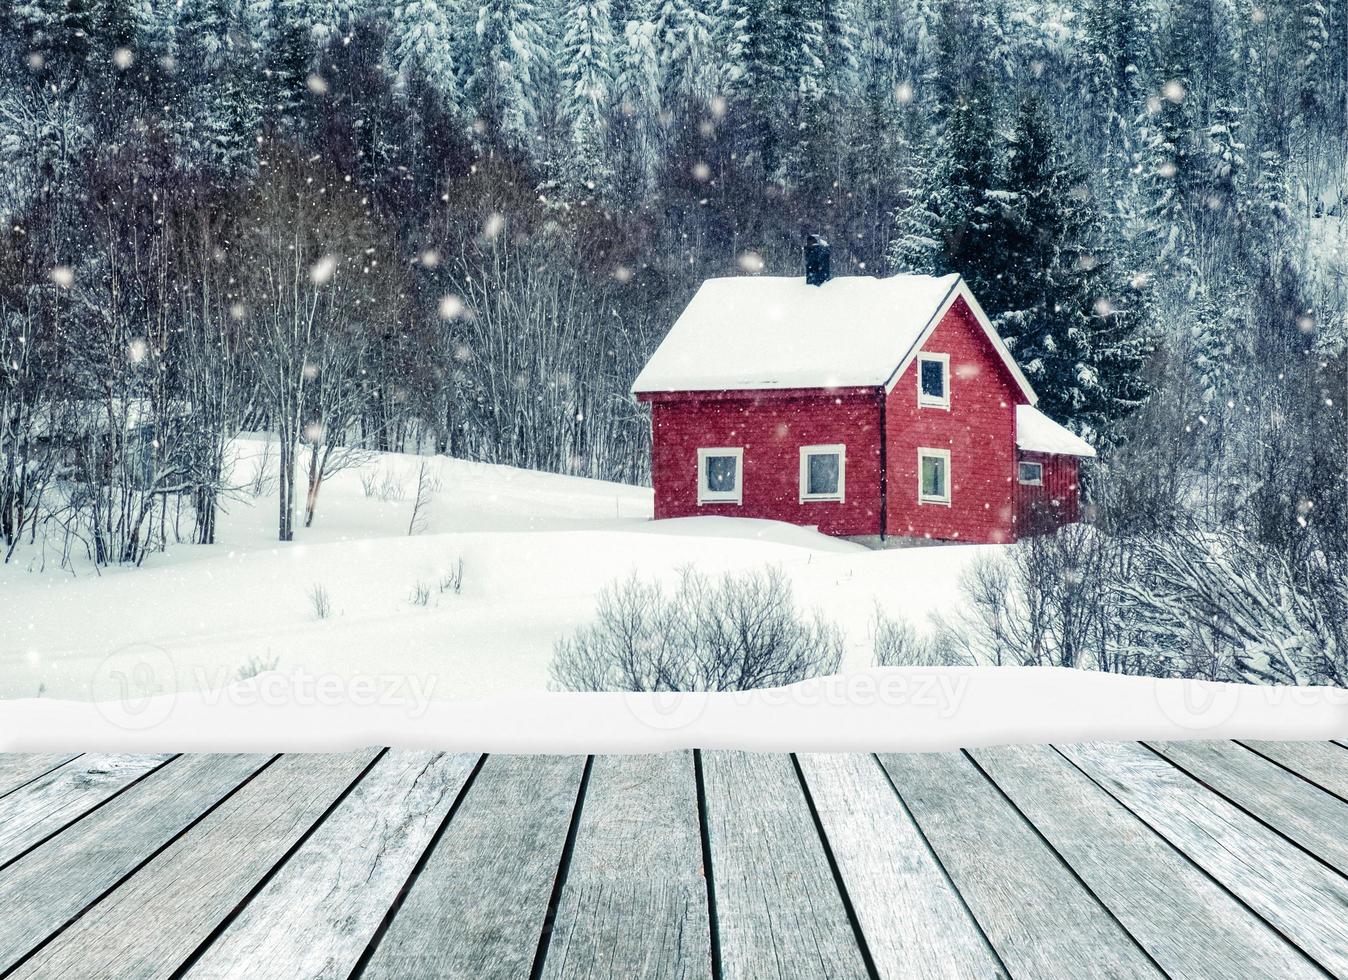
(1219, 604)
(1051, 601)
(1185, 602)
(264, 471)
(369, 482)
(379, 483)
(897, 643)
(736, 633)
(421, 594)
(391, 488)
(451, 580)
(257, 665)
(320, 601)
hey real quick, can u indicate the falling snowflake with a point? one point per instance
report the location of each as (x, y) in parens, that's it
(751, 262)
(451, 306)
(321, 271)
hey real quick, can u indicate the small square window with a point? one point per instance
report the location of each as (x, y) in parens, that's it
(933, 380)
(822, 472)
(1031, 473)
(718, 475)
(933, 476)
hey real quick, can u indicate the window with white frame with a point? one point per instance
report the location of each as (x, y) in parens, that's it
(823, 471)
(933, 476)
(720, 477)
(933, 380)
(1031, 473)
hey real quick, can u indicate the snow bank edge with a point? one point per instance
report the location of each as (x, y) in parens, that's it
(883, 709)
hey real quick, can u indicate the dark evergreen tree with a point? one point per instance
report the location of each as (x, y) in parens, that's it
(1063, 315)
(57, 37)
(915, 247)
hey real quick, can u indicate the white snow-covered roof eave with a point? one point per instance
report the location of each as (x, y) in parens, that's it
(1037, 433)
(752, 333)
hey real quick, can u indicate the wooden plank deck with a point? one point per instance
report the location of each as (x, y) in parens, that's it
(1196, 860)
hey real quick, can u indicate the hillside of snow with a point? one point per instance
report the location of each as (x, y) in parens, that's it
(534, 549)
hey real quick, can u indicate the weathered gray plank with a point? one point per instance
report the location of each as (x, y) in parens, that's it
(17, 768)
(1189, 925)
(1040, 919)
(1323, 763)
(50, 802)
(478, 907)
(914, 922)
(320, 911)
(778, 909)
(48, 886)
(151, 924)
(635, 899)
(1291, 890)
(1299, 811)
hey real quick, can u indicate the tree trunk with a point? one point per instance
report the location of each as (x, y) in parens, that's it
(315, 483)
(285, 481)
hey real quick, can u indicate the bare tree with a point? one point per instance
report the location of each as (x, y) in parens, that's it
(309, 301)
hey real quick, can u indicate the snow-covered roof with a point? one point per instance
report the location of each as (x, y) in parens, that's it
(774, 332)
(1037, 433)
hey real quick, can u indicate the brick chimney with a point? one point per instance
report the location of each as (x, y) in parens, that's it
(816, 261)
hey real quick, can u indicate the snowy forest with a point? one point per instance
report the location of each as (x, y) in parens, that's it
(461, 226)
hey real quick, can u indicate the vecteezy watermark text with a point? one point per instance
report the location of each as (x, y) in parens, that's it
(939, 690)
(304, 688)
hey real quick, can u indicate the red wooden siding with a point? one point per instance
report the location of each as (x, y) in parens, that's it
(979, 430)
(771, 426)
(1045, 508)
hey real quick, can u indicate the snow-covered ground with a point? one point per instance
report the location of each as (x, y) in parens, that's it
(535, 550)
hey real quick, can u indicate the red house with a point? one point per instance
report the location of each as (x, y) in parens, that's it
(876, 409)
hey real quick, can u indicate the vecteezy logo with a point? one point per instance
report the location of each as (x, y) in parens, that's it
(1197, 705)
(666, 711)
(135, 687)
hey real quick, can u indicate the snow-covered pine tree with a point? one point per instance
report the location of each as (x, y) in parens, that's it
(635, 139)
(509, 51)
(683, 45)
(1116, 44)
(1061, 313)
(330, 20)
(917, 246)
(287, 57)
(587, 82)
(57, 38)
(217, 93)
(1313, 58)
(423, 40)
(876, 151)
(963, 194)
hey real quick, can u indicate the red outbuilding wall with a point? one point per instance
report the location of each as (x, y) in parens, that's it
(1047, 507)
(979, 430)
(771, 426)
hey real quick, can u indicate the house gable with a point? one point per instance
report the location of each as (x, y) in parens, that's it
(961, 295)
(977, 430)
